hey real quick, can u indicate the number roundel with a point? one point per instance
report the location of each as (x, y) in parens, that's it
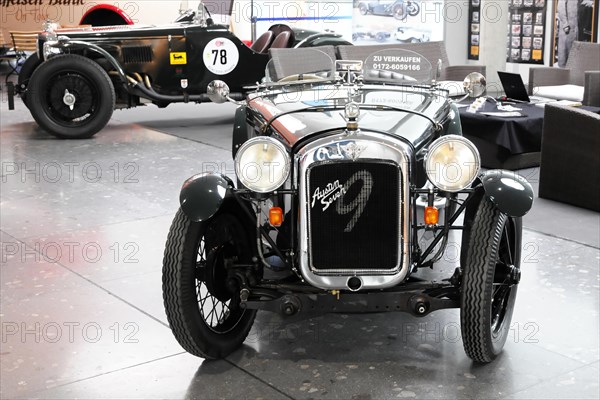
(221, 56)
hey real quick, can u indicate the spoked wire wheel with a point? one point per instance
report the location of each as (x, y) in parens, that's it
(202, 306)
(490, 281)
(218, 310)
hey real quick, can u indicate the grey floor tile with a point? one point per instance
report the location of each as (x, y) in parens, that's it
(205, 123)
(68, 211)
(178, 377)
(581, 383)
(101, 253)
(143, 291)
(58, 328)
(558, 302)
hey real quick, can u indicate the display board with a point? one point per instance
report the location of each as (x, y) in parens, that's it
(573, 20)
(526, 31)
(474, 31)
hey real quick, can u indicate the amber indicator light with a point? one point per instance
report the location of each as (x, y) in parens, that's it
(431, 215)
(276, 216)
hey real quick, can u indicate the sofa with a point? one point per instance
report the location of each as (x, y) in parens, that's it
(570, 166)
(578, 81)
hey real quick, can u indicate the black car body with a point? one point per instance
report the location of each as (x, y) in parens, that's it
(78, 76)
(350, 181)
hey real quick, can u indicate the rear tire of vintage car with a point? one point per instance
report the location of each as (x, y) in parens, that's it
(400, 11)
(380, 37)
(29, 66)
(203, 313)
(363, 9)
(490, 281)
(413, 8)
(71, 96)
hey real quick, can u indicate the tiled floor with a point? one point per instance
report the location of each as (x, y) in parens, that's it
(83, 226)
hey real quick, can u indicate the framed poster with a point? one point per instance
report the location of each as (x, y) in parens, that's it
(526, 29)
(573, 20)
(474, 24)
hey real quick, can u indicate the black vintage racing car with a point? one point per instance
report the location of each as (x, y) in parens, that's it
(79, 76)
(351, 179)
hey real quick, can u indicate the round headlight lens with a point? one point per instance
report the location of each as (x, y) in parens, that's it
(262, 164)
(452, 163)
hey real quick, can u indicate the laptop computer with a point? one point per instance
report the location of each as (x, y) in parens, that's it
(513, 87)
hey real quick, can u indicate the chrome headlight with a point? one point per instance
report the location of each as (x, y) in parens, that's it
(50, 49)
(262, 164)
(452, 163)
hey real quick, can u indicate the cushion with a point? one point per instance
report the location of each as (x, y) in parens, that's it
(560, 92)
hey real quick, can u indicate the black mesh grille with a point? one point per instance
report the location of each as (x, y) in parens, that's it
(137, 54)
(354, 211)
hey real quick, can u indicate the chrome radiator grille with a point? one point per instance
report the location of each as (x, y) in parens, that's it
(354, 214)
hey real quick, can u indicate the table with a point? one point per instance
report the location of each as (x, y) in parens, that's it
(505, 142)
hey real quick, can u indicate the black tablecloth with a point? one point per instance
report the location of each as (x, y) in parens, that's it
(516, 134)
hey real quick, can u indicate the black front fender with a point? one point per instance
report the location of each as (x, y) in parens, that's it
(202, 195)
(511, 193)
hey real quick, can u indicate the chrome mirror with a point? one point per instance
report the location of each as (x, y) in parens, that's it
(217, 91)
(474, 84)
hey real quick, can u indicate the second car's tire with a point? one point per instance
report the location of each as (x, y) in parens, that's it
(363, 9)
(413, 8)
(71, 96)
(204, 315)
(400, 11)
(490, 281)
(29, 66)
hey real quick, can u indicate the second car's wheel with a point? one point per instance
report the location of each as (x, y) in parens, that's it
(71, 96)
(203, 311)
(400, 11)
(413, 8)
(490, 280)
(363, 9)
(30, 65)
(380, 37)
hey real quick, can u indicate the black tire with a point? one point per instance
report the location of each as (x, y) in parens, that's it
(363, 9)
(29, 66)
(400, 11)
(380, 37)
(194, 280)
(413, 8)
(490, 282)
(93, 91)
